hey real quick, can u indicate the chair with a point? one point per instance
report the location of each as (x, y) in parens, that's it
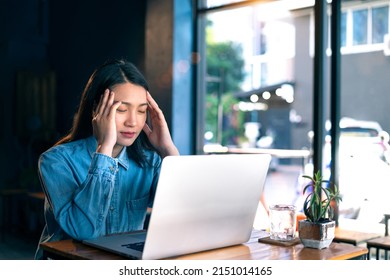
(381, 243)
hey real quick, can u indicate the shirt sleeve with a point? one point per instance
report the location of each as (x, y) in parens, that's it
(156, 176)
(79, 208)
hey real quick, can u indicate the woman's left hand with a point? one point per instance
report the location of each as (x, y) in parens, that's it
(159, 135)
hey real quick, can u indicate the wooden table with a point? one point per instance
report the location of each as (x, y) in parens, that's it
(251, 250)
(353, 237)
(381, 243)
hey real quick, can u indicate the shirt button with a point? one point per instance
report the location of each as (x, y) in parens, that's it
(111, 168)
(112, 208)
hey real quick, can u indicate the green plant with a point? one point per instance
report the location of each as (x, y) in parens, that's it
(317, 205)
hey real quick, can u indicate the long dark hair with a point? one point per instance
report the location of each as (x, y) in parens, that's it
(109, 74)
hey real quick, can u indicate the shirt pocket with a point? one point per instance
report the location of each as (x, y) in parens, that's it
(137, 212)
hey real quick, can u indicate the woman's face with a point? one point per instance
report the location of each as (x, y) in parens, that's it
(131, 114)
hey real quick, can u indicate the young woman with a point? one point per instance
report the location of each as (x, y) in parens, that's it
(101, 177)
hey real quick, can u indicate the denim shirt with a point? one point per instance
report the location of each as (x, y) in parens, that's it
(89, 194)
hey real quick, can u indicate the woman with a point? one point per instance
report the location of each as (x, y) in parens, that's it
(102, 176)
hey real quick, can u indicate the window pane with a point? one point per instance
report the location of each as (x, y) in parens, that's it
(258, 87)
(246, 55)
(380, 23)
(360, 27)
(363, 136)
(343, 25)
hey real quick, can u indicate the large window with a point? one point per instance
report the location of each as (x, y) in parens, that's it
(256, 87)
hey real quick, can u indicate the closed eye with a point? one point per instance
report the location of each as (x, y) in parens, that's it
(142, 109)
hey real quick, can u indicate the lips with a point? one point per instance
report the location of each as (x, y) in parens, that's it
(128, 134)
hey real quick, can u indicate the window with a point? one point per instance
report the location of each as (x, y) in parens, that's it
(343, 26)
(359, 33)
(249, 69)
(256, 83)
(380, 23)
(364, 27)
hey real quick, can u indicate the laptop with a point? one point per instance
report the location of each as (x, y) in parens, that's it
(202, 202)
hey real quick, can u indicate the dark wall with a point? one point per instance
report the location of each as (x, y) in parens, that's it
(23, 48)
(83, 34)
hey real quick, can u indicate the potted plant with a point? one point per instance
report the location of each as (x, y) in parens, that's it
(317, 230)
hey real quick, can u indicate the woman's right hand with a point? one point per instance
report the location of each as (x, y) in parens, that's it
(103, 122)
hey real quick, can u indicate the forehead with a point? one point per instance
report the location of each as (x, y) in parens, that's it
(130, 93)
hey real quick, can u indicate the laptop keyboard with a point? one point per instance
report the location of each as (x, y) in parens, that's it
(138, 246)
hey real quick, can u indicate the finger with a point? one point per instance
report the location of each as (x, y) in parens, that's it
(110, 101)
(154, 109)
(103, 102)
(151, 101)
(147, 129)
(97, 107)
(114, 107)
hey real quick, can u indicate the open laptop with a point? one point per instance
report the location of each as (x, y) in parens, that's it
(202, 202)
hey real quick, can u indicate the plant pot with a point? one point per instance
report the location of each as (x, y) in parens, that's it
(316, 235)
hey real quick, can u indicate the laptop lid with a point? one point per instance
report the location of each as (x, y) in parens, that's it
(204, 202)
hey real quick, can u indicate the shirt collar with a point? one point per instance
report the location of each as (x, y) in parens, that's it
(122, 158)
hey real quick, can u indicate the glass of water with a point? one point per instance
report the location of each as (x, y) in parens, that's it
(282, 222)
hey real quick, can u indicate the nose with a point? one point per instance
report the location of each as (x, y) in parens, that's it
(131, 119)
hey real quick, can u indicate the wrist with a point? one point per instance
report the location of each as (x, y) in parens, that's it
(169, 151)
(103, 149)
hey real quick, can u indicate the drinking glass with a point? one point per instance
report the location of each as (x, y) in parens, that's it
(282, 222)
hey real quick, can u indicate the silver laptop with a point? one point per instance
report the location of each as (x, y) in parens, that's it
(202, 202)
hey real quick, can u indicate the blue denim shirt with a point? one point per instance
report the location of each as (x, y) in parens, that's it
(90, 194)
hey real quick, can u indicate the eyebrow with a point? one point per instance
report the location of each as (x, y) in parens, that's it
(140, 105)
